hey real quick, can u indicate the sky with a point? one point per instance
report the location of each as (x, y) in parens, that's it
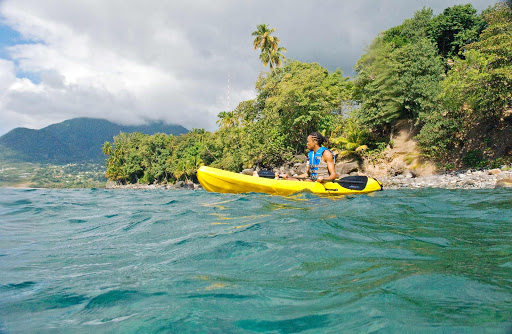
(134, 62)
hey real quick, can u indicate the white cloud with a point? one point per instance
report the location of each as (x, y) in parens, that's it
(111, 60)
(131, 61)
(7, 76)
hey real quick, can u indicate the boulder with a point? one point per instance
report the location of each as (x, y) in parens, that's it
(182, 185)
(248, 171)
(112, 184)
(397, 168)
(501, 175)
(178, 184)
(495, 171)
(504, 183)
(299, 168)
(346, 168)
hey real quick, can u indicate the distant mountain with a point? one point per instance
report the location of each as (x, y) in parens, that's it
(71, 141)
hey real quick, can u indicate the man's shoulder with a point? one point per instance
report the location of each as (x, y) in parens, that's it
(325, 149)
(329, 153)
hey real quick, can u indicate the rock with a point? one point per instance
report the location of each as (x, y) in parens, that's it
(501, 175)
(354, 174)
(180, 185)
(300, 168)
(396, 168)
(248, 171)
(504, 183)
(183, 185)
(495, 171)
(346, 168)
(469, 183)
(301, 158)
(111, 184)
(409, 175)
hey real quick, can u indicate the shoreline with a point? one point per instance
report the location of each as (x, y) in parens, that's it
(486, 179)
(489, 179)
(469, 179)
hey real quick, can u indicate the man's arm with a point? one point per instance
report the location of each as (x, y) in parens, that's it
(307, 173)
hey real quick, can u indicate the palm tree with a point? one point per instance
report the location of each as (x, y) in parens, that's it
(276, 57)
(227, 119)
(271, 53)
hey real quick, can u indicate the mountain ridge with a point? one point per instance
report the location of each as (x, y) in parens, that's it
(72, 141)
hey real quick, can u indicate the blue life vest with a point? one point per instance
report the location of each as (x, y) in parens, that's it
(315, 158)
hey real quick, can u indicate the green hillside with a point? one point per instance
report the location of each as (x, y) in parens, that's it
(71, 141)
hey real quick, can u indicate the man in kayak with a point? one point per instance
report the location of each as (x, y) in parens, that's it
(320, 161)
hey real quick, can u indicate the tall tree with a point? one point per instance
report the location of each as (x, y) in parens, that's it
(271, 53)
(455, 27)
(486, 76)
(398, 78)
(300, 99)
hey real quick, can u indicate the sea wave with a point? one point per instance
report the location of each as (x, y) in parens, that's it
(192, 261)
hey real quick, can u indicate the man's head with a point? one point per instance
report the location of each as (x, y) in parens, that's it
(315, 139)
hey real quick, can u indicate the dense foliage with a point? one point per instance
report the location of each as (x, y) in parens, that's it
(140, 158)
(456, 27)
(476, 95)
(449, 74)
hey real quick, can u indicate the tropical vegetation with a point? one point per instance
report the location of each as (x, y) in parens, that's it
(450, 75)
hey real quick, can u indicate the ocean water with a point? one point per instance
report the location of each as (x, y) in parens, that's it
(156, 261)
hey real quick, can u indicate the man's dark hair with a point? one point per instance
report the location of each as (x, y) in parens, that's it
(317, 136)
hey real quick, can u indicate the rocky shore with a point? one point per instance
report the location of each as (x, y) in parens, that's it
(485, 179)
(177, 185)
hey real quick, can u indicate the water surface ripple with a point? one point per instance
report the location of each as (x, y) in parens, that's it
(128, 261)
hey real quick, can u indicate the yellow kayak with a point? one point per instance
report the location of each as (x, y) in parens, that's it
(218, 180)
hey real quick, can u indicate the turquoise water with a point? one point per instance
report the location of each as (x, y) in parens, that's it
(135, 261)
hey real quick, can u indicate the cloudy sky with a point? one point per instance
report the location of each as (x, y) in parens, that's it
(137, 61)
